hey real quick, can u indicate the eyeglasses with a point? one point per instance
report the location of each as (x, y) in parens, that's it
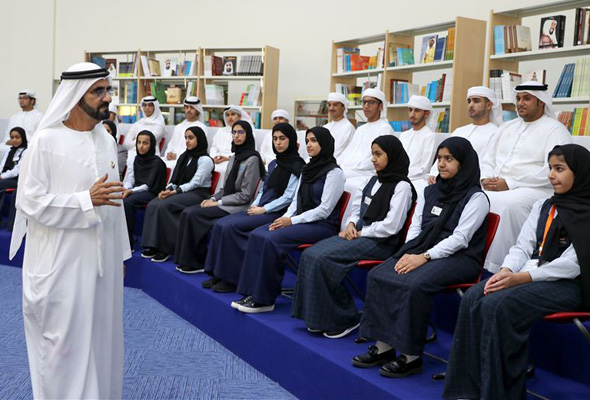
(102, 91)
(370, 102)
(240, 132)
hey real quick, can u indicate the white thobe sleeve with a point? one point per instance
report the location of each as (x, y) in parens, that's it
(422, 160)
(394, 221)
(129, 142)
(62, 211)
(488, 163)
(343, 139)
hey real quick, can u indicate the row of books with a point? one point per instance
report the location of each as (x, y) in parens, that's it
(582, 27)
(248, 65)
(400, 126)
(574, 80)
(575, 121)
(215, 95)
(129, 93)
(350, 59)
(435, 48)
(354, 93)
(400, 54)
(503, 82)
(439, 121)
(512, 39)
(438, 90)
(252, 95)
(214, 118)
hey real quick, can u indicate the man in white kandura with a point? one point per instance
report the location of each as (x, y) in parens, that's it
(76, 243)
(419, 141)
(485, 110)
(28, 118)
(152, 120)
(193, 109)
(278, 116)
(355, 160)
(514, 169)
(339, 126)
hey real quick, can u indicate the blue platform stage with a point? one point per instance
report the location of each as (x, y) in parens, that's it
(311, 366)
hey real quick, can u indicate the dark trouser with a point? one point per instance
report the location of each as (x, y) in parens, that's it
(162, 219)
(195, 224)
(263, 268)
(10, 183)
(490, 345)
(132, 203)
(229, 239)
(397, 308)
(321, 297)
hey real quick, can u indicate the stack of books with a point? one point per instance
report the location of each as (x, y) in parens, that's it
(575, 121)
(350, 59)
(512, 39)
(574, 80)
(582, 27)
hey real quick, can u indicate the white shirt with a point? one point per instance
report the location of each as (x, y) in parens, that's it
(266, 149)
(222, 141)
(519, 152)
(342, 132)
(518, 259)
(357, 155)
(12, 173)
(473, 215)
(28, 120)
(420, 148)
(177, 143)
(394, 221)
(480, 137)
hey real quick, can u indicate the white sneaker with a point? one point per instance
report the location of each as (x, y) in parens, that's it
(338, 335)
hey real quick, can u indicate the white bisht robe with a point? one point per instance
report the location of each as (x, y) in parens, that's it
(420, 148)
(518, 154)
(28, 120)
(73, 265)
(342, 132)
(177, 144)
(480, 137)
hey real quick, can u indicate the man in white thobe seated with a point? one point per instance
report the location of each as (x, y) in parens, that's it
(514, 169)
(355, 160)
(485, 110)
(419, 141)
(278, 116)
(339, 126)
(28, 118)
(69, 195)
(152, 121)
(193, 110)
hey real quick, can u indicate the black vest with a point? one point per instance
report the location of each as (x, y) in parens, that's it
(564, 242)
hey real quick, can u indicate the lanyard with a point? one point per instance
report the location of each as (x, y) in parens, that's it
(547, 226)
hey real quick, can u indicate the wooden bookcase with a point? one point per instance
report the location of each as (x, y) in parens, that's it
(467, 65)
(512, 61)
(310, 112)
(196, 81)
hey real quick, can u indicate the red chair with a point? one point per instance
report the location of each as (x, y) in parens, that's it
(121, 139)
(162, 144)
(574, 317)
(214, 182)
(168, 173)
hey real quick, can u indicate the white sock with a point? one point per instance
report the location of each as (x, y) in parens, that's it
(383, 347)
(409, 359)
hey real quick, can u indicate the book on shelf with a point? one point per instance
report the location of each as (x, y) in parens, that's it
(428, 49)
(538, 75)
(170, 67)
(401, 91)
(111, 66)
(125, 69)
(400, 126)
(251, 97)
(256, 118)
(214, 95)
(129, 93)
(98, 60)
(214, 118)
(186, 68)
(575, 121)
(393, 54)
(582, 27)
(174, 95)
(552, 32)
(136, 64)
(350, 59)
(437, 90)
(155, 68)
(213, 65)
(229, 65)
(516, 38)
(499, 47)
(574, 80)
(145, 66)
(156, 89)
(441, 46)
(352, 93)
(439, 121)
(450, 49)
(510, 80)
(405, 56)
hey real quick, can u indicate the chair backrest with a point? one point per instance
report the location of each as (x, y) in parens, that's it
(343, 203)
(162, 141)
(493, 222)
(214, 182)
(121, 139)
(408, 222)
(168, 172)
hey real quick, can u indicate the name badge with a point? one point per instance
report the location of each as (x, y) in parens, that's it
(368, 201)
(436, 210)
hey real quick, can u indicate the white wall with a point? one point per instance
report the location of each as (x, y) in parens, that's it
(303, 30)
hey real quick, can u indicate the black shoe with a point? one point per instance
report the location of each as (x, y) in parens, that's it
(252, 307)
(208, 284)
(373, 358)
(149, 253)
(241, 302)
(160, 257)
(189, 270)
(400, 368)
(223, 287)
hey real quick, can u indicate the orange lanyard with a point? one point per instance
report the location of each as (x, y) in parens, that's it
(547, 226)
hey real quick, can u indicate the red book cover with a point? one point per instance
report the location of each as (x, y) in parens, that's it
(584, 122)
(355, 62)
(365, 62)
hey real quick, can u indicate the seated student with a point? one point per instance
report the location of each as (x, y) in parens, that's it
(145, 178)
(267, 151)
(189, 185)
(229, 236)
(10, 165)
(444, 246)
(222, 140)
(312, 216)
(379, 211)
(152, 120)
(245, 169)
(539, 276)
(122, 151)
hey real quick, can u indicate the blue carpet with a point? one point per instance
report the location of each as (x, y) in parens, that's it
(165, 356)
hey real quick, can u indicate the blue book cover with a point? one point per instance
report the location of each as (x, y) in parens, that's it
(559, 82)
(441, 47)
(499, 39)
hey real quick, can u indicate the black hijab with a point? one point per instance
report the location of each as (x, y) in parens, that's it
(396, 170)
(288, 162)
(113, 127)
(242, 153)
(573, 213)
(148, 168)
(184, 171)
(9, 165)
(317, 167)
(450, 192)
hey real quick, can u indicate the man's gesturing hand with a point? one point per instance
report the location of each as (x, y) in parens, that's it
(102, 192)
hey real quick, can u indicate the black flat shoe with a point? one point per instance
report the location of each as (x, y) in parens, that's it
(149, 253)
(223, 287)
(400, 368)
(373, 358)
(208, 284)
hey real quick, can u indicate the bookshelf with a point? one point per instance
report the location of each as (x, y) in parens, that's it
(310, 112)
(467, 65)
(547, 58)
(193, 80)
